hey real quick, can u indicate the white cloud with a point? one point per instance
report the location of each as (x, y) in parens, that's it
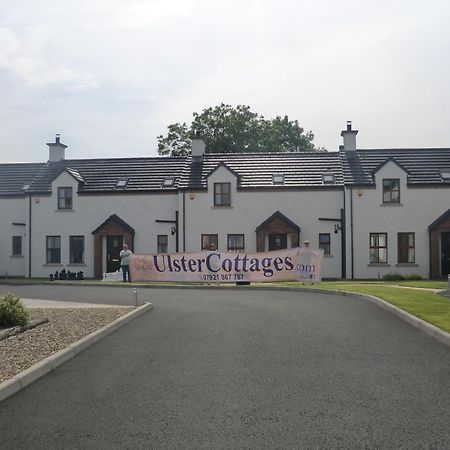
(22, 57)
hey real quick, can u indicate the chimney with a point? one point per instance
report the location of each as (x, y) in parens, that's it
(349, 136)
(56, 150)
(198, 146)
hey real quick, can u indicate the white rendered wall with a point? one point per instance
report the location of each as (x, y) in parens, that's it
(250, 208)
(418, 208)
(90, 211)
(13, 210)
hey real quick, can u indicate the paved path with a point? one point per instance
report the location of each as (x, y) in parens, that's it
(215, 369)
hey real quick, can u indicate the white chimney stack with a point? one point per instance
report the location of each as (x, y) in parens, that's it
(56, 150)
(198, 146)
(349, 136)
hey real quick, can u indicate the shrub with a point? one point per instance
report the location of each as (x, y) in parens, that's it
(12, 311)
(413, 277)
(393, 277)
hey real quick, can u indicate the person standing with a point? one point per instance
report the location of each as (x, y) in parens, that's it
(125, 262)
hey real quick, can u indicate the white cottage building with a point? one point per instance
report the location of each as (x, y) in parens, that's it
(373, 212)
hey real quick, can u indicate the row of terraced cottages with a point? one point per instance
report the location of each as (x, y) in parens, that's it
(373, 212)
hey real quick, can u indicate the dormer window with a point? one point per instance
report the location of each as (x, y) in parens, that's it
(121, 183)
(25, 187)
(168, 182)
(445, 174)
(391, 190)
(278, 178)
(328, 178)
(65, 197)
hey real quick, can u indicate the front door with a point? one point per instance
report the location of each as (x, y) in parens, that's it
(113, 248)
(277, 241)
(445, 254)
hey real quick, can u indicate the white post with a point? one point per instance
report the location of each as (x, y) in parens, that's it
(135, 296)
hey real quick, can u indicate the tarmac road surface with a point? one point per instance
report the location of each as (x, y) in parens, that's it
(231, 369)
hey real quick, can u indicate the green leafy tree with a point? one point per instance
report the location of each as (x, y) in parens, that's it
(236, 130)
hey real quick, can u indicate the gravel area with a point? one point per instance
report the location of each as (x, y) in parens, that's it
(65, 326)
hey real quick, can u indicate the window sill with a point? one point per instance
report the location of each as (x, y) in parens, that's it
(391, 204)
(328, 256)
(16, 256)
(64, 210)
(222, 207)
(76, 265)
(378, 265)
(52, 265)
(407, 265)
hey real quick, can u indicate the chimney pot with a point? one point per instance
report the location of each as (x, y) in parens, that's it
(349, 136)
(56, 150)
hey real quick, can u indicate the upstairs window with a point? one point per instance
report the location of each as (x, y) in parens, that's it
(53, 250)
(378, 248)
(406, 248)
(76, 249)
(17, 245)
(391, 190)
(65, 197)
(235, 242)
(222, 194)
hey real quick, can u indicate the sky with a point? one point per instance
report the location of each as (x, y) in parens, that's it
(111, 75)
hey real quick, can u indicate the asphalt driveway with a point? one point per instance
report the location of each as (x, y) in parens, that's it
(209, 369)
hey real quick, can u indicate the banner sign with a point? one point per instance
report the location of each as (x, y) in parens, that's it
(296, 264)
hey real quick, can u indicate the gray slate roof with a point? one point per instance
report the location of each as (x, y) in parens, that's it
(101, 175)
(255, 170)
(423, 165)
(14, 176)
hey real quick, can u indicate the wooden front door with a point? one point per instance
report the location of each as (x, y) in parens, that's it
(445, 254)
(113, 248)
(277, 241)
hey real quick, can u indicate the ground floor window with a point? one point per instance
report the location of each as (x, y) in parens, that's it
(17, 245)
(53, 249)
(76, 249)
(325, 243)
(209, 241)
(235, 242)
(406, 248)
(378, 248)
(162, 243)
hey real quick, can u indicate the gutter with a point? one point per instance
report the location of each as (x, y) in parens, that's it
(184, 221)
(351, 232)
(29, 236)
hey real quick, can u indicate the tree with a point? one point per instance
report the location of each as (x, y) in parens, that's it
(236, 130)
